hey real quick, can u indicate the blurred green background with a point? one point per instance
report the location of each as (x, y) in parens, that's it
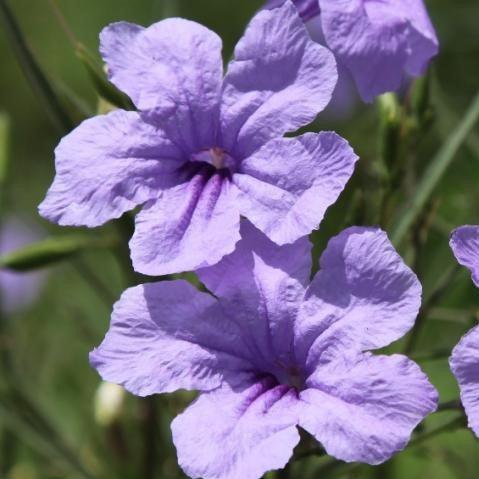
(48, 427)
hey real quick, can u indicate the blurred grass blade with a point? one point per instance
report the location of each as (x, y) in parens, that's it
(435, 172)
(45, 444)
(49, 251)
(33, 72)
(4, 144)
(171, 8)
(104, 88)
(166, 8)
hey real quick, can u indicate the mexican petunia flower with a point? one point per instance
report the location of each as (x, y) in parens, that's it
(378, 41)
(204, 149)
(465, 357)
(272, 351)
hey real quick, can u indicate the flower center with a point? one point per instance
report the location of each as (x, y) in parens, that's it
(291, 376)
(215, 156)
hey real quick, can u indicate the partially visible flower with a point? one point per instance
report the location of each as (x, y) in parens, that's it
(379, 41)
(271, 351)
(204, 149)
(465, 357)
(18, 290)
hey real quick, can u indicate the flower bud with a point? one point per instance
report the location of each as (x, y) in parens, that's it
(109, 399)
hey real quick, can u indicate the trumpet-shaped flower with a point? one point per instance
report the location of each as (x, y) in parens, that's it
(465, 357)
(272, 351)
(378, 41)
(203, 150)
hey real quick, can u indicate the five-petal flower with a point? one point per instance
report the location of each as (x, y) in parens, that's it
(202, 149)
(272, 350)
(465, 356)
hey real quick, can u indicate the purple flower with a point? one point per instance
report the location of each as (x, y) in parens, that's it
(18, 290)
(204, 150)
(379, 41)
(465, 357)
(271, 351)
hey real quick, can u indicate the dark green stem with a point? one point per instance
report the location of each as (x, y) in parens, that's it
(457, 423)
(33, 72)
(438, 292)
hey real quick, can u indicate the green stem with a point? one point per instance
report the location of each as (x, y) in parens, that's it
(457, 423)
(438, 292)
(95, 282)
(150, 437)
(435, 172)
(23, 418)
(33, 72)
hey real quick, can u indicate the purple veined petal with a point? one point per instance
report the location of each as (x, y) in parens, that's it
(464, 243)
(261, 286)
(286, 186)
(106, 166)
(307, 9)
(173, 72)
(191, 225)
(464, 364)
(168, 336)
(363, 297)
(238, 432)
(279, 81)
(379, 41)
(365, 408)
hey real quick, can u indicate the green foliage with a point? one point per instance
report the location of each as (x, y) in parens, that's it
(51, 251)
(426, 183)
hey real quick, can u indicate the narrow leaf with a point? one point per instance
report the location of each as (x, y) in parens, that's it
(34, 74)
(4, 144)
(435, 172)
(49, 251)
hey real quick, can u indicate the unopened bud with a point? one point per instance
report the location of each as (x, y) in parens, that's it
(109, 399)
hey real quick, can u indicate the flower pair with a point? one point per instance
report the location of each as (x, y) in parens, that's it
(271, 350)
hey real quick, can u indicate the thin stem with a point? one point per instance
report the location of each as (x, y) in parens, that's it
(457, 423)
(29, 422)
(150, 432)
(33, 72)
(333, 464)
(435, 172)
(95, 282)
(441, 287)
(62, 21)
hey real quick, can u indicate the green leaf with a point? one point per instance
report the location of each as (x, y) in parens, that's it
(32, 71)
(50, 251)
(98, 76)
(435, 172)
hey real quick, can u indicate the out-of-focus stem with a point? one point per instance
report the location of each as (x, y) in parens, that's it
(377, 179)
(150, 437)
(33, 72)
(25, 419)
(435, 172)
(457, 423)
(437, 293)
